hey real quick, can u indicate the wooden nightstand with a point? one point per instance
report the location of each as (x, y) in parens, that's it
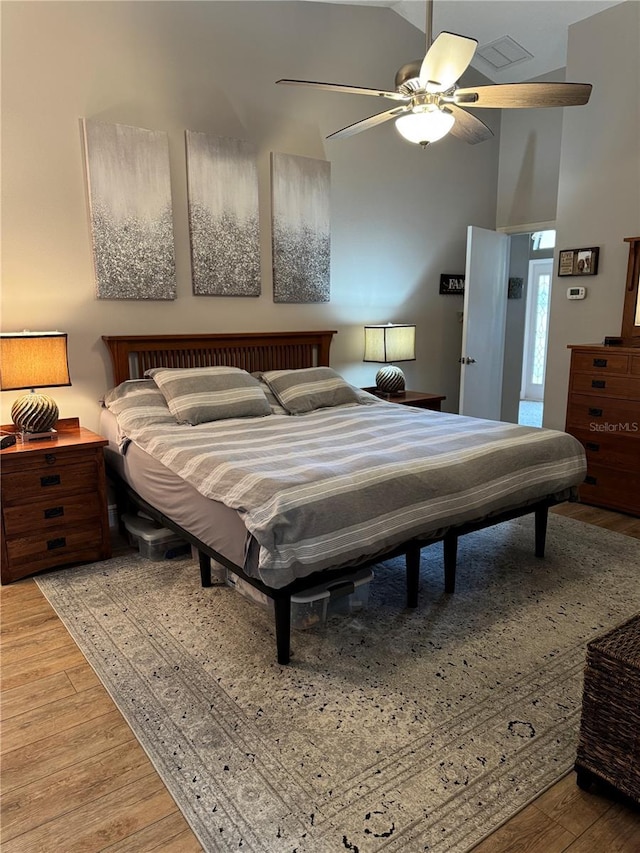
(54, 502)
(413, 398)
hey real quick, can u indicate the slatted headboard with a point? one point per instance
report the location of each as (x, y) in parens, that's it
(131, 355)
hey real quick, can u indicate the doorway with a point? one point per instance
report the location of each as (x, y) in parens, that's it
(534, 354)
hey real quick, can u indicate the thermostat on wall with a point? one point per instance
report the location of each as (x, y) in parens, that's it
(576, 292)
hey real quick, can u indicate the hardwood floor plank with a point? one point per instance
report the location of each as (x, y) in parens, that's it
(530, 831)
(47, 799)
(20, 647)
(169, 835)
(36, 667)
(83, 677)
(33, 608)
(63, 749)
(112, 818)
(572, 808)
(55, 718)
(618, 831)
(33, 694)
(20, 591)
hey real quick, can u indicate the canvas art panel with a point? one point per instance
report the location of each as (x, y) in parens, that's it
(222, 185)
(130, 208)
(300, 199)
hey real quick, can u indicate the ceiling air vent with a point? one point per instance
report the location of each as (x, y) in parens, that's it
(503, 52)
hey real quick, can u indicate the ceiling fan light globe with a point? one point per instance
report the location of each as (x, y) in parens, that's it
(424, 127)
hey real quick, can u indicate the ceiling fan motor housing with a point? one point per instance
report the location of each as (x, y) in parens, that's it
(407, 74)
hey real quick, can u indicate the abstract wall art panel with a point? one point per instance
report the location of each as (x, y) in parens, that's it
(222, 183)
(130, 208)
(300, 201)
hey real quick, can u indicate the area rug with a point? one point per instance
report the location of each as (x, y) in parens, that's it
(392, 730)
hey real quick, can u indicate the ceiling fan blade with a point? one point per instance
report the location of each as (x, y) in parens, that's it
(524, 95)
(349, 90)
(467, 127)
(368, 123)
(446, 60)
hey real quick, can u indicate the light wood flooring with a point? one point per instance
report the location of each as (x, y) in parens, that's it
(74, 778)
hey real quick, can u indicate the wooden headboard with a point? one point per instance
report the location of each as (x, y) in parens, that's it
(131, 355)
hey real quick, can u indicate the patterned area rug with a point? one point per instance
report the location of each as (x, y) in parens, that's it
(391, 731)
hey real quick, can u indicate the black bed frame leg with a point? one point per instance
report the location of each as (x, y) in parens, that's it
(282, 606)
(450, 553)
(413, 574)
(542, 516)
(205, 568)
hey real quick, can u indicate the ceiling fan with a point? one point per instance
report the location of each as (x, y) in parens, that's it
(430, 104)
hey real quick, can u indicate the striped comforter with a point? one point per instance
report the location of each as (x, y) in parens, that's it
(333, 486)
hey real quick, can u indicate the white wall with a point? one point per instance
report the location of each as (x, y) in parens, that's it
(599, 188)
(399, 214)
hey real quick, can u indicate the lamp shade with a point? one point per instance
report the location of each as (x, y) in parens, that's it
(33, 360)
(390, 343)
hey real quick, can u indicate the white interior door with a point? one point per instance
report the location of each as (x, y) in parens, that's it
(536, 329)
(483, 323)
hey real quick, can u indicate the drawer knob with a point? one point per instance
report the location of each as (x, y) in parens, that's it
(60, 542)
(598, 383)
(592, 445)
(595, 413)
(50, 458)
(51, 480)
(54, 512)
(592, 481)
(599, 362)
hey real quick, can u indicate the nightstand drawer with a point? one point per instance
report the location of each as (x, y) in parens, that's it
(44, 514)
(48, 481)
(55, 547)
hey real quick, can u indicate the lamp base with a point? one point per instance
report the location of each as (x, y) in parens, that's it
(38, 436)
(34, 413)
(390, 380)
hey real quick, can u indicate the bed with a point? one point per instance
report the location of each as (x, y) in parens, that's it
(227, 485)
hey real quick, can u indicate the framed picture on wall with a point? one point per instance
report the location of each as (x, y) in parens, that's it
(578, 261)
(451, 284)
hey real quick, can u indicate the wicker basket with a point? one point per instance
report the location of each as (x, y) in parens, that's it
(609, 743)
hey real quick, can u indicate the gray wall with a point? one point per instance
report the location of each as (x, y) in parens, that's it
(399, 214)
(599, 188)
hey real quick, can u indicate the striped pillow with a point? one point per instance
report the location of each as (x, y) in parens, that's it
(197, 395)
(311, 388)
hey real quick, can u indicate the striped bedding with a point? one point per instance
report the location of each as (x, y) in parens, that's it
(336, 485)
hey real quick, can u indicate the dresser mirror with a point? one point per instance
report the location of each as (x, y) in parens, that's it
(631, 312)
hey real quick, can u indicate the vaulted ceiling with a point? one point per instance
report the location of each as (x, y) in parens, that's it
(517, 39)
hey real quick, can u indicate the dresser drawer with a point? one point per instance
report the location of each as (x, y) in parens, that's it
(612, 488)
(610, 450)
(602, 413)
(608, 362)
(42, 515)
(50, 481)
(624, 387)
(55, 547)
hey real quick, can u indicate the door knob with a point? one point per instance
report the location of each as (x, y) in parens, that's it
(467, 360)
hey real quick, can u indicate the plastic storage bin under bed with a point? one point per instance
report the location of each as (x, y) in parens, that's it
(348, 595)
(153, 542)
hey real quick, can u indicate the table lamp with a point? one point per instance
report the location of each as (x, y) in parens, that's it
(30, 360)
(386, 344)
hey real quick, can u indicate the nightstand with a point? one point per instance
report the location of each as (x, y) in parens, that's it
(413, 398)
(54, 502)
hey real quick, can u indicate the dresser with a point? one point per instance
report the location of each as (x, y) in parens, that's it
(603, 413)
(54, 502)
